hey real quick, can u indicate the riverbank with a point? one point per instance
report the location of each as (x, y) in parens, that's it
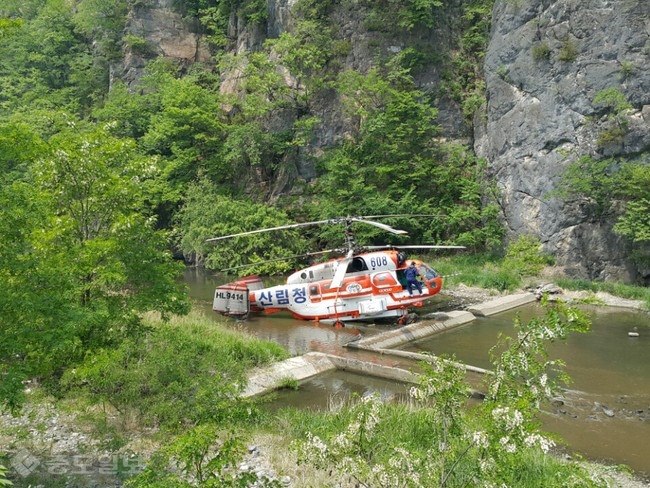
(60, 433)
(464, 296)
(493, 303)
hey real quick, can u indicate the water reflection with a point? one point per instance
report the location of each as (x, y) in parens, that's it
(332, 389)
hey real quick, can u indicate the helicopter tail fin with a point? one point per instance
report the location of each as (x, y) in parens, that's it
(233, 298)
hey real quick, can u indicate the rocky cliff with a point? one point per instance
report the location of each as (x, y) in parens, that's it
(545, 64)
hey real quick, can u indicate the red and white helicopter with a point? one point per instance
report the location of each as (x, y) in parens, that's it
(366, 284)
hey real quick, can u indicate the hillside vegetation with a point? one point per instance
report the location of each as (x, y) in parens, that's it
(105, 184)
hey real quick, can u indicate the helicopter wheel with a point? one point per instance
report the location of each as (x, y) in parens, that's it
(409, 318)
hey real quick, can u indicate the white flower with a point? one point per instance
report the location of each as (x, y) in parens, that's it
(539, 440)
(480, 438)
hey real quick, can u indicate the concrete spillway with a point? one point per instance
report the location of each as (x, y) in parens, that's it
(313, 363)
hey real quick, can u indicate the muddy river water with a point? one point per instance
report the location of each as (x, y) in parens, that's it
(604, 414)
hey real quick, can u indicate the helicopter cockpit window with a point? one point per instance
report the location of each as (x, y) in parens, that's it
(429, 273)
(357, 264)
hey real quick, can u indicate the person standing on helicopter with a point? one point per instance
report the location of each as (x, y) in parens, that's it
(412, 274)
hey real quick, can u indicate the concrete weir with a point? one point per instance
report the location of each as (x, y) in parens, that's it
(313, 363)
(409, 333)
(501, 304)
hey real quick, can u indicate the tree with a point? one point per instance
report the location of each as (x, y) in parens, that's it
(603, 184)
(393, 163)
(20, 144)
(104, 22)
(633, 185)
(44, 63)
(82, 262)
(208, 214)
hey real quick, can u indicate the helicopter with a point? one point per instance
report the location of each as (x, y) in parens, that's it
(365, 283)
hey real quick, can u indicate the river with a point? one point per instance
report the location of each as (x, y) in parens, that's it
(604, 413)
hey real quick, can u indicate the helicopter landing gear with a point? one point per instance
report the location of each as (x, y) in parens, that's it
(409, 318)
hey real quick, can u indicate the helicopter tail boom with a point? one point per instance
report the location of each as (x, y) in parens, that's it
(233, 298)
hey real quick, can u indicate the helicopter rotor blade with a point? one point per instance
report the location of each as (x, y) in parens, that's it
(385, 227)
(398, 246)
(341, 268)
(269, 229)
(395, 215)
(286, 258)
(338, 220)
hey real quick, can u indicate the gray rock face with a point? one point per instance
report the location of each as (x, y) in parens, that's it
(167, 33)
(546, 62)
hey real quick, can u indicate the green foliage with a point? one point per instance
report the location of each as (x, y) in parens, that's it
(183, 373)
(477, 14)
(392, 164)
(3, 479)
(215, 22)
(44, 63)
(418, 12)
(305, 51)
(541, 51)
(103, 21)
(618, 289)
(463, 79)
(84, 262)
(128, 114)
(611, 136)
(492, 271)
(207, 214)
(525, 256)
(20, 144)
(41, 324)
(633, 185)
(439, 440)
(288, 383)
(392, 16)
(601, 183)
(568, 51)
(589, 179)
(137, 45)
(627, 69)
(611, 99)
(503, 71)
(204, 458)
(214, 16)
(616, 104)
(8, 26)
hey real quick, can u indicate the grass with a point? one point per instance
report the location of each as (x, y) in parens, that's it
(501, 274)
(481, 270)
(617, 289)
(182, 372)
(288, 383)
(410, 428)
